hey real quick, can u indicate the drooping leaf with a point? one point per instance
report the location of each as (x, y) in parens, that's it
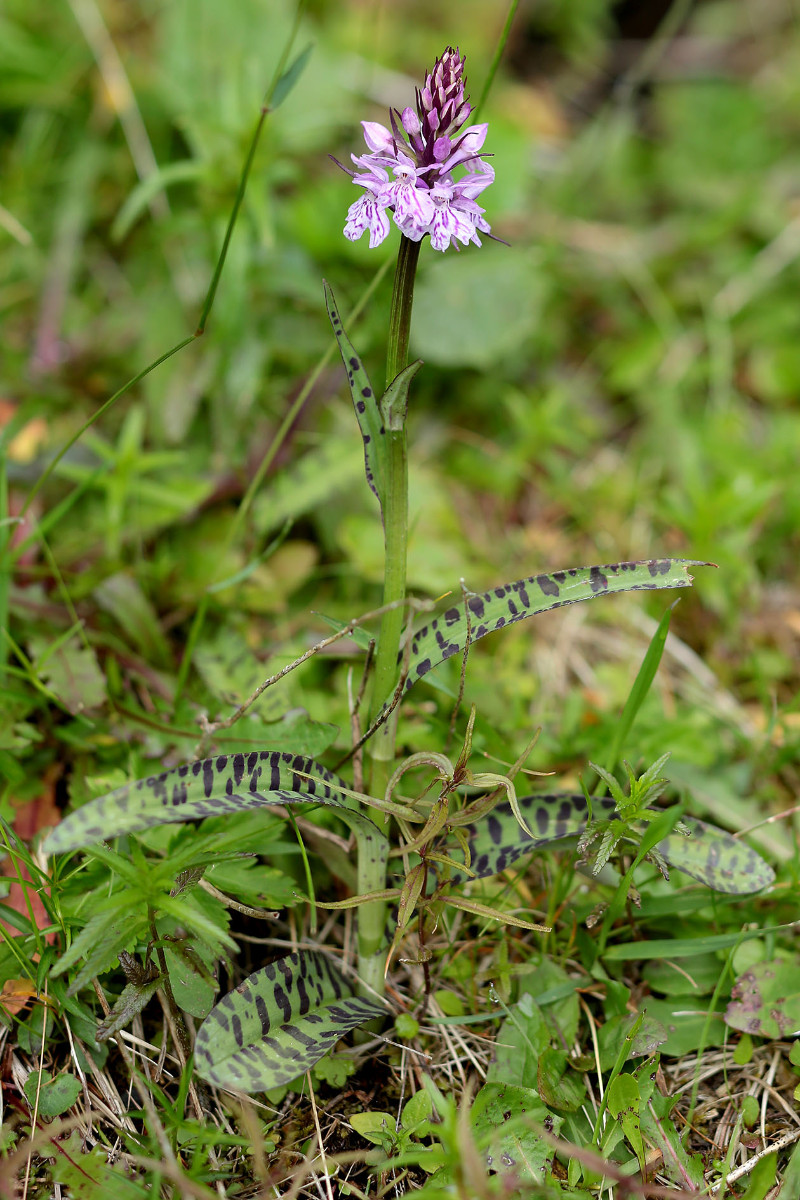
(205, 788)
(365, 402)
(709, 855)
(448, 634)
(278, 1023)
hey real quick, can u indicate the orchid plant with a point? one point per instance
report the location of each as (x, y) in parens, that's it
(427, 168)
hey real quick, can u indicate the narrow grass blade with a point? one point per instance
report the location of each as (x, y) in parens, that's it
(642, 684)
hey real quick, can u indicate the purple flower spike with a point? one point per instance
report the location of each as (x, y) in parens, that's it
(409, 168)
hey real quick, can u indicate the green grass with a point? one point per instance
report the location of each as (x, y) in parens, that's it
(621, 383)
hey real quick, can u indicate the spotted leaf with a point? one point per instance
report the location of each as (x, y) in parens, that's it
(211, 786)
(501, 606)
(279, 1023)
(368, 415)
(709, 855)
(716, 858)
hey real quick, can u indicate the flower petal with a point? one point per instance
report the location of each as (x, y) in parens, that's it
(367, 213)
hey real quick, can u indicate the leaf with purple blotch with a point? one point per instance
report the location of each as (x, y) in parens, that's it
(489, 611)
(765, 1000)
(365, 403)
(278, 1023)
(711, 855)
(211, 787)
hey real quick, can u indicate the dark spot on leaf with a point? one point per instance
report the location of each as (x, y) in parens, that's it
(495, 828)
(548, 585)
(598, 581)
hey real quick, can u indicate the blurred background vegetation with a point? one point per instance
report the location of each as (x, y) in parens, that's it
(619, 382)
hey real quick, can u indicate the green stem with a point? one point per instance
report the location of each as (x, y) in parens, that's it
(372, 916)
(395, 524)
(402, 301)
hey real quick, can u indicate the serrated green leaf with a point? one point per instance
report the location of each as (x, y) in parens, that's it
(100, 942)
(279, 1023)
(323, 472)
(232, 672)
(709, 855)
(448, 634)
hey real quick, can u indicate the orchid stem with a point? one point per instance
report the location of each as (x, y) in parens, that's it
(372, 915)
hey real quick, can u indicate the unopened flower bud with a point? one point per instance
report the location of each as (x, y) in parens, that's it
(410, 121)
